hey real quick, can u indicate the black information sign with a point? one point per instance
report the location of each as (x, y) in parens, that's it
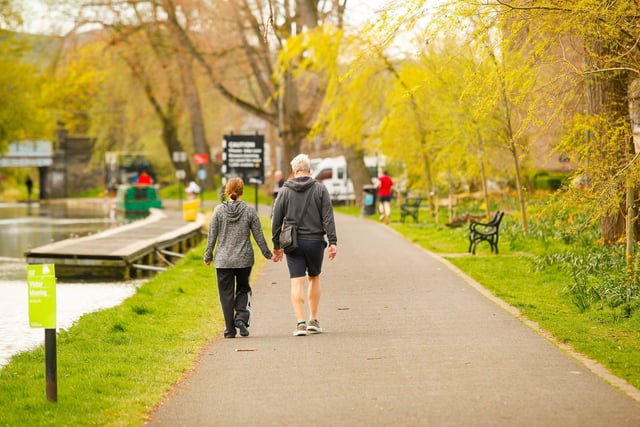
(243, 156)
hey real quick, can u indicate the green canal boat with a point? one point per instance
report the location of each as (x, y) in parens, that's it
(136, 200)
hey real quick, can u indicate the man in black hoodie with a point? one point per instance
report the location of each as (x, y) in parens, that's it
(306, 201)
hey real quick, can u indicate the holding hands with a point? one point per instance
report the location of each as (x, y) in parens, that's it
(277, 255)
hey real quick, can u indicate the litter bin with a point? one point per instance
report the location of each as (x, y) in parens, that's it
(190, 209)
(369, 200)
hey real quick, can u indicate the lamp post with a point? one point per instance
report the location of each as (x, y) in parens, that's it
(179, 158)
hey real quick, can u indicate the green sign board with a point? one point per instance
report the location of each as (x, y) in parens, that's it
(42, 295)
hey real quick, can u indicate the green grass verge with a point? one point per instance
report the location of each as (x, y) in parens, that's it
(115, 365)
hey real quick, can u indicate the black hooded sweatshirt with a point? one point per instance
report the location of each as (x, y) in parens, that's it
(317, 220)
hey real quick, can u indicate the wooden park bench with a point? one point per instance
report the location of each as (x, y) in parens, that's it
(410, 207)
(485, 232)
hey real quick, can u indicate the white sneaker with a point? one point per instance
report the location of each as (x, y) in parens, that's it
(301, 330)
(314, 326)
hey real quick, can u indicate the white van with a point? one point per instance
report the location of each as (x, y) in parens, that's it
(332, 172)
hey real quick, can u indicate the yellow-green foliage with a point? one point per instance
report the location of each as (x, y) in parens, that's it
(75, 85)
(20, 114)
(10, 195)
(604, 167)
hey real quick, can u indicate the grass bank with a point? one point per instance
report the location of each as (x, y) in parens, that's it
(115, 365)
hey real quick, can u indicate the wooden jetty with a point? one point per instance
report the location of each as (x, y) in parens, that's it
(125, 252)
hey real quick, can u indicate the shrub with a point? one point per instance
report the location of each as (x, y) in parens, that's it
(599, 275)
(548, 181)
(11, 195)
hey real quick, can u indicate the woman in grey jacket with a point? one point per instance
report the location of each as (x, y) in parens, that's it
(302, 197)
(231, 225)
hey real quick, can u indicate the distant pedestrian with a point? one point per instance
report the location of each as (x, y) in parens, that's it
(305, 199)
(112, 187)
(144, 179)
(192, 190)
(231, 226)
(384, 196)
(29, 184)
(277, 186)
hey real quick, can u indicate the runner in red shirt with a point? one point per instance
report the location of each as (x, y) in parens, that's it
(384, 196)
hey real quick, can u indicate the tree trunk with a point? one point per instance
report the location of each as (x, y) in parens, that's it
(607, 97)
(483, 175)
(513, 148)
(357, 171)
(432, 196)
(291, 122)
(194, 106)
(632, 192)
(521, 198)
(172, 142)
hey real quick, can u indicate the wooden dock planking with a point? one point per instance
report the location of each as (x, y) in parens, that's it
(115, 252)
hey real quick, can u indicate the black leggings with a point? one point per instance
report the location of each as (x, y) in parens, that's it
(235, 296)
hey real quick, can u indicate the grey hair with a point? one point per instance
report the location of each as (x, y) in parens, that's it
(301, 162)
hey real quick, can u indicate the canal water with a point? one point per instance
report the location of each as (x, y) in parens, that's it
(23, 227)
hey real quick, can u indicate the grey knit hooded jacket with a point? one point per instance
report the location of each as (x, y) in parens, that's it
(231, 227)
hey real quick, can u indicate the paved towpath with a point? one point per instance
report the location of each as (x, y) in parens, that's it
(408, 342)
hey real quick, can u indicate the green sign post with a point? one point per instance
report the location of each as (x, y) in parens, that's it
(41, 279)
(42, 295)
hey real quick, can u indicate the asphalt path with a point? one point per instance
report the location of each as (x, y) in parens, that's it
(408, 341)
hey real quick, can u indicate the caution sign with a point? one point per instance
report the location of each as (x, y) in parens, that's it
(243, 156)
(41, 279)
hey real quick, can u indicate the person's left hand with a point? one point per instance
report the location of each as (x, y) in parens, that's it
(332, 251)
(207, 263)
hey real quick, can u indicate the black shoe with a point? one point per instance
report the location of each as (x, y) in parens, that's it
(243, 328)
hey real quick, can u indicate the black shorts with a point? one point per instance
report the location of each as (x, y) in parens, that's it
(307, 259)
(385, 198)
